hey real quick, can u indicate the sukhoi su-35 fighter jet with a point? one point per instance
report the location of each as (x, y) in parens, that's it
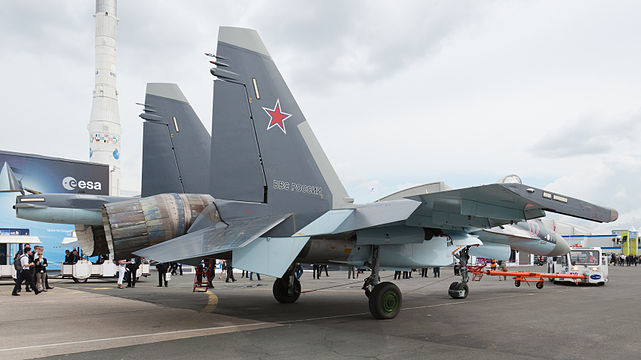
(270, 198)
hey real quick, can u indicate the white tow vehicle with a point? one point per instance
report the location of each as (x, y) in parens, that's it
(583, 261)
(84, 269)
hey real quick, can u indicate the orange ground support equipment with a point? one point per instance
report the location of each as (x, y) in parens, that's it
(522, 276)
(202, 272)
(477, 271)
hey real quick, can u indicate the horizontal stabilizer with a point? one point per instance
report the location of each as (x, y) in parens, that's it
(212, 240)
(269, 256)
(362, 217)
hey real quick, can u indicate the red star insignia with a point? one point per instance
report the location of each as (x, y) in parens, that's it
(277, 117)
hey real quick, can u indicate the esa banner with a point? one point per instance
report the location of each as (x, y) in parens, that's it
(51, 175)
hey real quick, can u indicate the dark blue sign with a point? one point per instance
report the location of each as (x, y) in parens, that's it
(9, 231)
(595, 277)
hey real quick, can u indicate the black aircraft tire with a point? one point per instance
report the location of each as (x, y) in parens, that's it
(280, 291)
(463, 286)
(517, 283)
(385, 301)
(456, 287)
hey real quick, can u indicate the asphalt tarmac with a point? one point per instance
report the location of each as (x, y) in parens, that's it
(241, 320)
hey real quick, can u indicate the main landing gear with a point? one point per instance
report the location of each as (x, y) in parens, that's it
(287, 288)
(385, 298)
(460, 290)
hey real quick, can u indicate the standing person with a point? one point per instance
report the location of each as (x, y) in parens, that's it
(257, 276)
(424, 272)
(299, 270)
(32, 269)
(437, 271)
(25, 273)
(503, 267)
(162, 274)
(17, 265)
(133, 266)
(550, 264)
(74, 256)
(397, 275)
(200, 270)
(211, 272)
(230, 272)
(351, 272)
(315, 271)
(325, 267)
(222, 268)
(122, 268)
(46, 275)
(40, 264)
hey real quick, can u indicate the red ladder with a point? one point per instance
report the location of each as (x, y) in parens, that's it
(202, 271)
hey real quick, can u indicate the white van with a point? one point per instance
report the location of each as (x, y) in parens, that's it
(583, 261)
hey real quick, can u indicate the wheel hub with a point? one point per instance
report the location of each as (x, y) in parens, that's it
(390, 301)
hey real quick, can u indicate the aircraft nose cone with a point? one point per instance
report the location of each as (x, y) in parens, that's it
(561, 247)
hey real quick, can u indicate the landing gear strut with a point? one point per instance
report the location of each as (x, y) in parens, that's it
(287, 288)
(459, 290)
(385, 298)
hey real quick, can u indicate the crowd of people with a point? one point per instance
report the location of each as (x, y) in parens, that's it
(404, 275)
(31, 269)
(624, 260)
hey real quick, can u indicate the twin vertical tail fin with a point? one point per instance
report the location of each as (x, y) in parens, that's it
(263, 150)
(175, 144)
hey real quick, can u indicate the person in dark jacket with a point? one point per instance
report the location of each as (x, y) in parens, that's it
(211, 272)
(162, 274)
(25, 272)
(133, 267)
(32, 269)
(230, 272)
(40, 265)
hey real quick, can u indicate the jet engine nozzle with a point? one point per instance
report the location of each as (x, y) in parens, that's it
(138, 223)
